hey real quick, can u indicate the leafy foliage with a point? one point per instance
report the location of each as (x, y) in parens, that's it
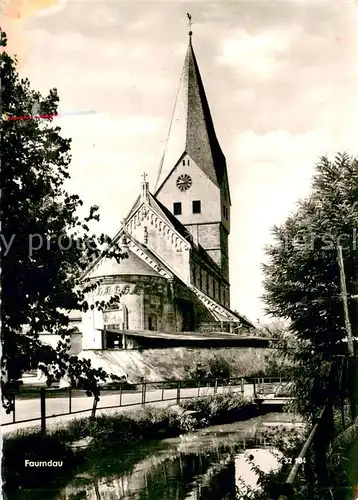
(302, 282)
(217, 405)
(277, 329)
(213, 367)
(45, 244)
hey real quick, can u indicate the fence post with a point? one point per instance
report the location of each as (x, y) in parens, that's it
(215, 386)
(94, 407)
(308, 468)
(321, 443)
(70, 400)
(255, 393)
(163, 387)
(242, 386)
(178, 394)
(43, 410)
(120, 394)
(144, 388)
(199, 388)
(352, 379)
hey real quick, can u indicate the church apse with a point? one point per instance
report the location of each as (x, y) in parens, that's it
(145, 304)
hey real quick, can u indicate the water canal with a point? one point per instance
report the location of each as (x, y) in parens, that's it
(209, 463)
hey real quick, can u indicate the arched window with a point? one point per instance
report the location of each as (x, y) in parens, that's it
(152, 322)
(116, 316)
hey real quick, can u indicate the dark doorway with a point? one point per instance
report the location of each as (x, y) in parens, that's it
(113, 340)
(152, 322)
(188, 315)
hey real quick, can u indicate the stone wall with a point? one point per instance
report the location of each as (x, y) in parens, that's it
(148, 302)
(209, 235)
(176, 363)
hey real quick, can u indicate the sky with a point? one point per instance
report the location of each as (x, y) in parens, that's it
(281, 80)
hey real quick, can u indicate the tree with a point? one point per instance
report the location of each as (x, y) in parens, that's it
(302, 282)
(45, 246)
(276, 329)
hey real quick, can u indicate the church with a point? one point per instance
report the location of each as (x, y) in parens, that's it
(176, 279)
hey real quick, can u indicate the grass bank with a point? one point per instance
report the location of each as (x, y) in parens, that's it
(222, 408)
(117, 429)
(183, 363)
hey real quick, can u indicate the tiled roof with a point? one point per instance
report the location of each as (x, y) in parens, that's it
(192, 129)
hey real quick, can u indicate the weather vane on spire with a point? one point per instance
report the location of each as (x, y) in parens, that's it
(190, 23)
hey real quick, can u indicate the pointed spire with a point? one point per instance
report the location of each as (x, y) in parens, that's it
(192, 130)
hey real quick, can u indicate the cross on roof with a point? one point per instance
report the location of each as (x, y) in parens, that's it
(144, 175)
(190, 23)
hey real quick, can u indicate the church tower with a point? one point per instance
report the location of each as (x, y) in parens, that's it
(193, 181)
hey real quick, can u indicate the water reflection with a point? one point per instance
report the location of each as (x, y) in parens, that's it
(206, 464)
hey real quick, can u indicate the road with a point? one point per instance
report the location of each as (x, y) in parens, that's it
(81, 406)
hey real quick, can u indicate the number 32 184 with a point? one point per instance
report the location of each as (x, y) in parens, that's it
(298, 460)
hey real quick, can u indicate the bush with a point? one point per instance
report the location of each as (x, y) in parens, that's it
(144, 423)
(212, 407)
(233, 363)
(215, 367)
(74, 430)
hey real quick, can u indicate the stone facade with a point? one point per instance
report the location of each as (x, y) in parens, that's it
(145, 303)
(176, 276)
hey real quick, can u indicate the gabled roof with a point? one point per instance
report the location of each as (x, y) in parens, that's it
(156, 262)
(140, 261)
(162, 210)
(219, 312)
(178, 226)
(192, 130)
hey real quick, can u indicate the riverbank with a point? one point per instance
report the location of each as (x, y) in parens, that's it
(200, 464)
(25, 447)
